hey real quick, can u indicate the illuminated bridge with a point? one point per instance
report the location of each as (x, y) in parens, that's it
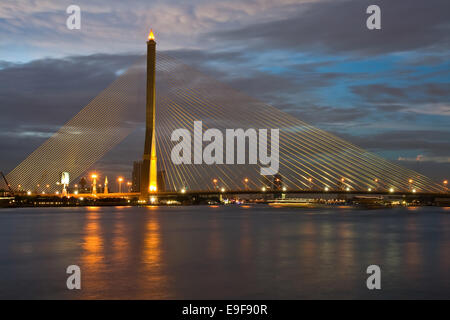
(310, 158)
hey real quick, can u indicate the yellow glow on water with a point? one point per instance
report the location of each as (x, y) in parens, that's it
(92, 242)
(152, 259)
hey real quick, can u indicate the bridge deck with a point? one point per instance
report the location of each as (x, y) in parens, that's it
(251, 192)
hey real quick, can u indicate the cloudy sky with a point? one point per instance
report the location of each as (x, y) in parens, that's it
(385, 90)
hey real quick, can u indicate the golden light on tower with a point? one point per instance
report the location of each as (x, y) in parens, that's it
(151, 36)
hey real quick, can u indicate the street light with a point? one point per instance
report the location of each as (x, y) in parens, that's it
(246, 183)
(391, 190)
(410, 181)
(183, 190)
(222, 189)
(120, 179)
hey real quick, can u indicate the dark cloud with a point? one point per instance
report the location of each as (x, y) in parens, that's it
(431, 142)
(425, 151)
(50, 90)
(38, 97)
(340, 27)
(324, 115)
(421, 93)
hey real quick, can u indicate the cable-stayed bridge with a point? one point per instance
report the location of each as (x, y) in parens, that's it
(310, 158)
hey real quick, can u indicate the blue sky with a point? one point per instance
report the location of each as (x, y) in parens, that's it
(385, 90)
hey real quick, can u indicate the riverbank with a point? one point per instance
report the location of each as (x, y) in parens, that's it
(371, 202)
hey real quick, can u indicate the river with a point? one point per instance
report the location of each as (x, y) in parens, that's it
(224, 252)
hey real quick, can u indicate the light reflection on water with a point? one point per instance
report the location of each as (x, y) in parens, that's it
(224, 252)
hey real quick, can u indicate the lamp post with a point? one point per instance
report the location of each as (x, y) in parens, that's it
(120, 179)
(343, 183)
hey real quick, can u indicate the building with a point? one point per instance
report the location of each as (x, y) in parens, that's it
(277, 183)
(136, 176)
(161, 180)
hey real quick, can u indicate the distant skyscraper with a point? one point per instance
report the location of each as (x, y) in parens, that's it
(161, 180)
(136, 176)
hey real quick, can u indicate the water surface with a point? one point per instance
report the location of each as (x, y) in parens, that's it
(224, 252)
